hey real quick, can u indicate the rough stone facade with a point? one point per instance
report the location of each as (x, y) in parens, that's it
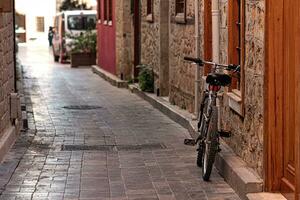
(155, 43)
(247, 140)
(182, 43)
(124, 37)
(8, 127)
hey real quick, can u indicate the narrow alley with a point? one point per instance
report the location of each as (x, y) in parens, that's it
(95, 141)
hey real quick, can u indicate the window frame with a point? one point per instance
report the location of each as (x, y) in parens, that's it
(40, 24)
(180, 17)
(236, 52)
(149, 11)
(6, 6)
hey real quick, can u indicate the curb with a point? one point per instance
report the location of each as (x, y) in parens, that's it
(232, 168)
(112, 79)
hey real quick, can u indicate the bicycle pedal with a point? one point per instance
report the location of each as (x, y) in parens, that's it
(225, 134)
(190, 142)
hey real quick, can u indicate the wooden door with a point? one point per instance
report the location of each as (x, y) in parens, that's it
(282, 92)
(107, 35)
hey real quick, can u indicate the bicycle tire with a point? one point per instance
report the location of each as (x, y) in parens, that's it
(210, 147)
(202, 128)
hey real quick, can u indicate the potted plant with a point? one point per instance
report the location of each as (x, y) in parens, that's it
(146, 78)
(83, 49)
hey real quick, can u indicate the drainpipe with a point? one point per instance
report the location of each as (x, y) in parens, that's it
(15, 56)
(216, 44)
(215, 30)
(197, 55)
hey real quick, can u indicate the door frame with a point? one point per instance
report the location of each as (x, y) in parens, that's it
(273, 95)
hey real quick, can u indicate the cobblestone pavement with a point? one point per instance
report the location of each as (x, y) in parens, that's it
(95, 141)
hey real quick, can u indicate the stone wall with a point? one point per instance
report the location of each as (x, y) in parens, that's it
(124, 38)
(155, 43)
(182, 43)
(247, 140)
(6, 69)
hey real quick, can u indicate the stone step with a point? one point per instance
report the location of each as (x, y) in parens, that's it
(265, 196)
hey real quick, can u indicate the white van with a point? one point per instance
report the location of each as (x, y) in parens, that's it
(70, 22)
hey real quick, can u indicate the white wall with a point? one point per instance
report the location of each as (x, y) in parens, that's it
(33, 9)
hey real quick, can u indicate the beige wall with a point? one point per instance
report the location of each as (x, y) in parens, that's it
(9, 128)
(182, 43)
(6, 69)
(247, 140)
(155, 43)
(124, 38)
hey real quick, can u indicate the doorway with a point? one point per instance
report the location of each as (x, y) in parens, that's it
(282, 142)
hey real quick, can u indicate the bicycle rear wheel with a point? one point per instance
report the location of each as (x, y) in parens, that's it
(210, 146)
(202, 129)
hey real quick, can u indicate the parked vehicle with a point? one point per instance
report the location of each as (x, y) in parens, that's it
(66, 23)
(209, 133)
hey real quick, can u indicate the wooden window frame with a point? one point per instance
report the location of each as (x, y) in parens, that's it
(149, 11)
(180, 16)
(236, 52)
(6, 5)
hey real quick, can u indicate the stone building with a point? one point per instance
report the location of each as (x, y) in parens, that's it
(10, 113)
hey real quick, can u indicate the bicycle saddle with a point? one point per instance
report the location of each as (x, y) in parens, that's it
(218, 79)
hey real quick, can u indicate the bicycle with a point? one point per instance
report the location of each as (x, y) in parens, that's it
(209, 135)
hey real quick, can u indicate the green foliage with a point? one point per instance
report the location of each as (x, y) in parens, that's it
(146, 78)
(73, 5)
(83, 43)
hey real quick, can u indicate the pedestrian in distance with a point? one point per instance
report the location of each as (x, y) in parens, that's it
(50, 35)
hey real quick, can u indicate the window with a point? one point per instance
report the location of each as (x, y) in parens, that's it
(81, 22)
(99, 10)
(180, 11)
(108, 9)
(149, 10)
(6, 6)
(149, 7)
(105, 11)
(236, 49)
(40, 24)
(236, 37)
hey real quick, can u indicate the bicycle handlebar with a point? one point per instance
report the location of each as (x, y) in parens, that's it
(230, 67)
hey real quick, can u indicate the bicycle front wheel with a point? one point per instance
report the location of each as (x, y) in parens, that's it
(210, 146)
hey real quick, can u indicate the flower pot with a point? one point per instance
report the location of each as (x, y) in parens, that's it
(83, 59)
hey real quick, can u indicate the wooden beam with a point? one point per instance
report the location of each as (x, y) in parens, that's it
(273, 169)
